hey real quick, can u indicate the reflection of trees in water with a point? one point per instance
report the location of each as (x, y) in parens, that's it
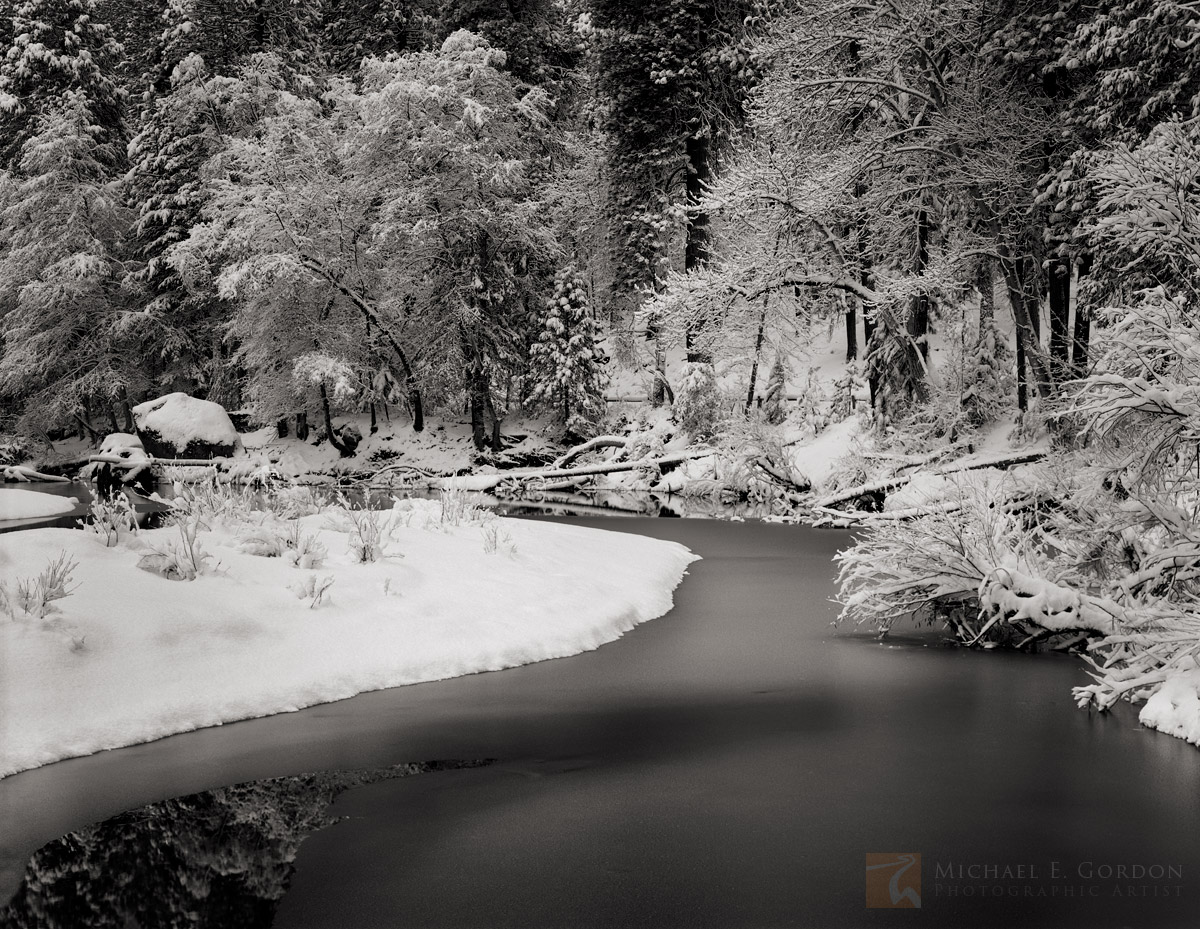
(216, 859)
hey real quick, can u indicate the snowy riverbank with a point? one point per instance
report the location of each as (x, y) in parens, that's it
(130, 656)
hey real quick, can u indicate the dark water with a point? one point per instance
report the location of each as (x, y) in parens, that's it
(729, 764)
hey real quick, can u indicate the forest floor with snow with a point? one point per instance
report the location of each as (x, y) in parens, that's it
(239, 614)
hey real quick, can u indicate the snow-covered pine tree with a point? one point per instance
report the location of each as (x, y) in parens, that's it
(773, 407)
(63, 320)
(697, 403)
(58, 46)
(566, 362)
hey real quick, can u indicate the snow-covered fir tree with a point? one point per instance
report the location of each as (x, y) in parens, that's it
(566, 363)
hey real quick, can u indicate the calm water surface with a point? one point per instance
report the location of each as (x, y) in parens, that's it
(729, 764)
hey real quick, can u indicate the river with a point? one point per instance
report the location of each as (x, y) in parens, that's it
(729, 764)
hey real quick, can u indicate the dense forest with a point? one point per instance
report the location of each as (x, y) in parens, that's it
(307, 209)
(292, 205)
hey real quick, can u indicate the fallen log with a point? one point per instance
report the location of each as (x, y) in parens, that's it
(899, 480)
(117, 461)
(482, 482)
(24, 475)
(601, 441)
(863, 490)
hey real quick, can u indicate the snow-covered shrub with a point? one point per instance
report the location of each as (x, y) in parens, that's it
(987, 379)
(312, 589)
(35, 597)
(257, 471)
(367, 531)
(496, 538)
(811, 409)
(929, 567)
(648, 442)
(108, 517)
(697, 400)
(263, 541)
(181, 560)
(845, 389)
(460, 507)
(14, 449)
(292, 500)
(211, 499)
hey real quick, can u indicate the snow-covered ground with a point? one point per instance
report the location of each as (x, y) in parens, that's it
(131, 656)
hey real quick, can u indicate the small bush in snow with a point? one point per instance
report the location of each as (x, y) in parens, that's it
(460, 507)
(312, 589)
(182, 560)
(367, 530)
(697, 400)
(35, 597)
(811, 408)
(292, 500)
(303, 550)
(108, 517)
(211, 499)
(843, 402)
(496, 539)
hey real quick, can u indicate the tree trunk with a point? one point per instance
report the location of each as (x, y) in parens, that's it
(1083, 327)
(477, 391)
(329, 431)
(1022, 387)
(281, 428)
(696, 250)
(851, 331)
(126, 411)
(1059, 292)
(112, 418)
(917, 324)
(866, 277)
(368, 310)
(1024, 306)
(987, 297)
(497, 442)
(302, 426)
(758, 344)
(918, 312)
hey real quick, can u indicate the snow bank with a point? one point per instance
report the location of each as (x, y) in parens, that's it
(29, 504)
(817, 458)
(133, 656)
(182, 421)
(1175, 707)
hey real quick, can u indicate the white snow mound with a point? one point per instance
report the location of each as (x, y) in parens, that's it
(29, 504)
(133, 656)
(181, 419)
(1175, 707)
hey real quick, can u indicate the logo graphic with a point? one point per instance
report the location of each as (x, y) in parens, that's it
(894, 880)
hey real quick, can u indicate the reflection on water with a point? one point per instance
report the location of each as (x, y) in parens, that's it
(215, 859)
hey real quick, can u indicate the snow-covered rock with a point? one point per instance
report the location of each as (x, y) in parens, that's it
(179, 426)
(123, 445)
